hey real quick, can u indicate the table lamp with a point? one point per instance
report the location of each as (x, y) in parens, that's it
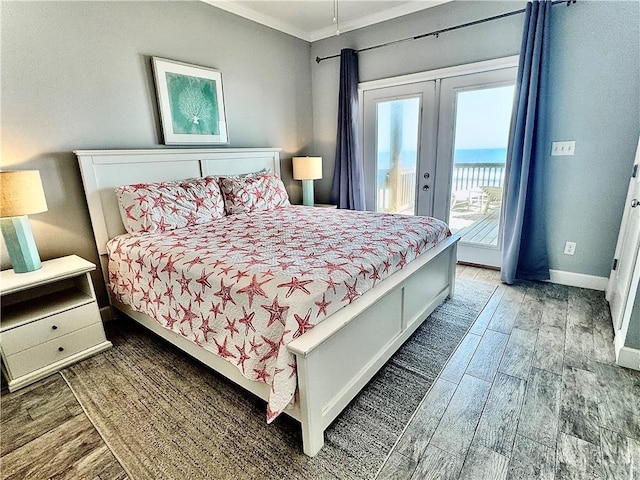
(307, 169)
(21, 194)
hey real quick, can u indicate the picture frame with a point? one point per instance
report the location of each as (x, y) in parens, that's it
(191, 103)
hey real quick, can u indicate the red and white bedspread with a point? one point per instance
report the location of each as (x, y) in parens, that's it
(245, 285)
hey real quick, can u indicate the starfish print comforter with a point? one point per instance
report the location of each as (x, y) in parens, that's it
(245, 285)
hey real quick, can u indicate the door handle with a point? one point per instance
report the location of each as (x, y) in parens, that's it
(425, 187)
(634, 203)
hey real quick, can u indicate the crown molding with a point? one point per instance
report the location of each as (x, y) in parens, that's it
(313, 36)
(267, 20)
(373, 18)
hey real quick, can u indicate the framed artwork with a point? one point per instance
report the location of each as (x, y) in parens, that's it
(191, 103)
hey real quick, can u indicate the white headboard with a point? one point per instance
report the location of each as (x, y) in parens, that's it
(103, 170)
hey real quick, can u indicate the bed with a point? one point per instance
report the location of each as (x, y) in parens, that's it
(337, 356)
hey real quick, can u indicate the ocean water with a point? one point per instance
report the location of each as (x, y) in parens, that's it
(480, 155)
(465, 155)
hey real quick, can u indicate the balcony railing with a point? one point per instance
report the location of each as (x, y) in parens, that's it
(467, 176)
(398, 195)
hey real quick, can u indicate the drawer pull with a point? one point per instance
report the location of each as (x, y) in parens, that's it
(54, 327)
(61, 349)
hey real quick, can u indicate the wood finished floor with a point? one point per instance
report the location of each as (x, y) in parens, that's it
(531, 392)
(483, 230)
(45, 434)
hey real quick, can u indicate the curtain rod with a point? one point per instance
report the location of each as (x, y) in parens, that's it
(436, 33)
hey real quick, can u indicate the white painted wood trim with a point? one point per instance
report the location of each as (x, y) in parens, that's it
(169, 152)
(629, 358)
(454, 71)
(625, 280)
(398, 10)
(304, 344)
(578, 280)
(103, 170)
(333, 369)
(259, 17)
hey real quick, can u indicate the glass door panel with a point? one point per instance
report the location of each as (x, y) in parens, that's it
(399, 132)
(481, 130)
(397, 155)
(474, 123)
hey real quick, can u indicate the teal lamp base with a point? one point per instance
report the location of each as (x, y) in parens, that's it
(20, 243)
(307, 193)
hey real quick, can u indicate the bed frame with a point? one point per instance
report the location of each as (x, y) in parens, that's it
(337, 358)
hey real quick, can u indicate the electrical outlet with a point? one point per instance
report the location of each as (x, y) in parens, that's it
(563, 148)
(570, 248)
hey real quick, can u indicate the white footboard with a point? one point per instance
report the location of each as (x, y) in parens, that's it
(340, 355)
(337, 358)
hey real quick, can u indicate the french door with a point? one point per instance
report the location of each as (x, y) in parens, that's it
(473, 132)
(399, 143)
(438, 147)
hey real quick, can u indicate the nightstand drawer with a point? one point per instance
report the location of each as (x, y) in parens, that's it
(31, 334)
(55, 350)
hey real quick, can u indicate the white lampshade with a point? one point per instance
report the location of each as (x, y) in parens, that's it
(21, 193)
(307, 168)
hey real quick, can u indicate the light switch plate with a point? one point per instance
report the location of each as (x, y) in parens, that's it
(563, 148)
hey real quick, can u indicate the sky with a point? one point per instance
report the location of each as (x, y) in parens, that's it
(482, 119)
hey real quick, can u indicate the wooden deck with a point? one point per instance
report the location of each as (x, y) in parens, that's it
(483, 230)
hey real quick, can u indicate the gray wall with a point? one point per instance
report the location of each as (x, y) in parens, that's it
(595, 73)
(595, 78)
(77, 75)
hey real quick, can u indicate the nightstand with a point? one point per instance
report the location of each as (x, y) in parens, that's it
(50, 319)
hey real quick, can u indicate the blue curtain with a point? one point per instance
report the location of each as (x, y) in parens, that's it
(347, 190)
(524, 254)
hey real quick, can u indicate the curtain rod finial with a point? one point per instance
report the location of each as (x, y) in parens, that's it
(318, 59)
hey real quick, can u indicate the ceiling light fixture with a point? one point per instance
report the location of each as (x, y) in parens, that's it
(335, 16)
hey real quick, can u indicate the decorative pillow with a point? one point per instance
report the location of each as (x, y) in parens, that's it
(253, 193)
(242, 175)
(162, 206)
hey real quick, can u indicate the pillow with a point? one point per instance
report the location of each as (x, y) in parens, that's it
(242, 175)
(253, 193)
(162, 206)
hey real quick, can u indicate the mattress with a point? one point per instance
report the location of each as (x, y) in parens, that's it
(245, 285)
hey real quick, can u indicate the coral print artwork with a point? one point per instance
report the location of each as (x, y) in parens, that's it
(194, 108)
(191, 103)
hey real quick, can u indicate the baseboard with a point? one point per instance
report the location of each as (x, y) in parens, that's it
(578, 280)
(629, 358)
(106, 313)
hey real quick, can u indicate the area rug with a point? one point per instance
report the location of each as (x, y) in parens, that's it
(166, 416)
